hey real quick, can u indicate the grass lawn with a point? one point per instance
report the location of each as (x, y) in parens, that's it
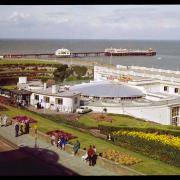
(119, 120)
(26, 61)
(9, 87)
(148, 166)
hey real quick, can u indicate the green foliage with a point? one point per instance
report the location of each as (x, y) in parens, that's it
(72, 78)
(108, 129)
(153, 149)
(62, 119)
(149, 166)
(80, 70)
(61, 73)
(44, 79)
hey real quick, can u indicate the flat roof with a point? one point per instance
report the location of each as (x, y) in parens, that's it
(20, 92)
(48, 91)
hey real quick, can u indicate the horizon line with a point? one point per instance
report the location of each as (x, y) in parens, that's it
(2, 38)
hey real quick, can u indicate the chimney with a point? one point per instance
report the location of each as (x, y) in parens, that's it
(54, 89)
(22, 80)
(45, 86)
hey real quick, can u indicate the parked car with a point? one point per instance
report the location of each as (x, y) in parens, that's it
(83, 110)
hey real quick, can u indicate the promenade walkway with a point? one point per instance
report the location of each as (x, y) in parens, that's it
(67, 160)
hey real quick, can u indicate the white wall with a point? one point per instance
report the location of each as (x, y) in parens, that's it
(153, 87)
(159, 114)
(67, 106)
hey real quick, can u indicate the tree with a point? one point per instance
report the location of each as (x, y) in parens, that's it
(61, 73)
(80, 70)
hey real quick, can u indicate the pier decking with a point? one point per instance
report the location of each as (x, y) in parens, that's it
(78, 54)
(52, 55)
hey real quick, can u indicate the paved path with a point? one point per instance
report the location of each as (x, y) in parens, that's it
(19, 161)
(64, 158)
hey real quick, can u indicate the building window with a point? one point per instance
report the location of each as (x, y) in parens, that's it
(47, 99)
(75, 100)
(59, 101)
(176, 90)
(166, 88)
(175, 116)
(36, 97)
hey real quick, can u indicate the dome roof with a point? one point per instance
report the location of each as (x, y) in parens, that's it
(107, 89)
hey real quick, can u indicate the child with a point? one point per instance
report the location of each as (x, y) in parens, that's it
(85, 156)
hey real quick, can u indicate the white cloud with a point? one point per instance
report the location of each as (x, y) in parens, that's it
(18, 16)
(91, 21)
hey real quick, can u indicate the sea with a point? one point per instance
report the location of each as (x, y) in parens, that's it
(168, 51)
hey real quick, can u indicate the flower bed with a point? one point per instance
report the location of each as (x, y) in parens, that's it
(120, 158)
(101, 117)
(60, 133)
(109, 129)
(163, 147)
(163, 138)
(72, 117)
(24, 118)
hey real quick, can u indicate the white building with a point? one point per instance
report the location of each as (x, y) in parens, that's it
(161, 89)
(53, 98)
(147, 93)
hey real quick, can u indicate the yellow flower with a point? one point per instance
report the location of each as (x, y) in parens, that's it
(163, 138)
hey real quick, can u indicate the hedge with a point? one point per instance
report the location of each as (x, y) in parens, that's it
(109, 129)
(152, 149)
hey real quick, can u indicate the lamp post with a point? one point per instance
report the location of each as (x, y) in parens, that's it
(35, 136)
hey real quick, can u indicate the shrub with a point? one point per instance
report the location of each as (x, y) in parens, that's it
(80, 70)
(109, 129)
(162, 147)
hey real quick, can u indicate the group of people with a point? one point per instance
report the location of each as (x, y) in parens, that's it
(3, 120)
(59, 141)
(90, 155)
(22, 128)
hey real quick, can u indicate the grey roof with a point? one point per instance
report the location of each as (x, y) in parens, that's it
(107, 89)
(48, 91)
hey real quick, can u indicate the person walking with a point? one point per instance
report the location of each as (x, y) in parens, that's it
(90, 155)
(16, 129)
(61, 141)
(94, 158)
(27, 126)
(85, 156)
(5, 120)
(22, 127)
(65, 141)
(26, 131)
(53, 139)
(76, 147)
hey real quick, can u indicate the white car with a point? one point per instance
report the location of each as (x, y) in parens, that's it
(83, 110)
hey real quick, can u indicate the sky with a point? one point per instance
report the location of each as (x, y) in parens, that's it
(160, 22)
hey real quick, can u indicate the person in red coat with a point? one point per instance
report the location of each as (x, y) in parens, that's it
(91, 153)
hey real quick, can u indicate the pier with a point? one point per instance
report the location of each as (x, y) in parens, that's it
(52, 55)
(80, 54)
